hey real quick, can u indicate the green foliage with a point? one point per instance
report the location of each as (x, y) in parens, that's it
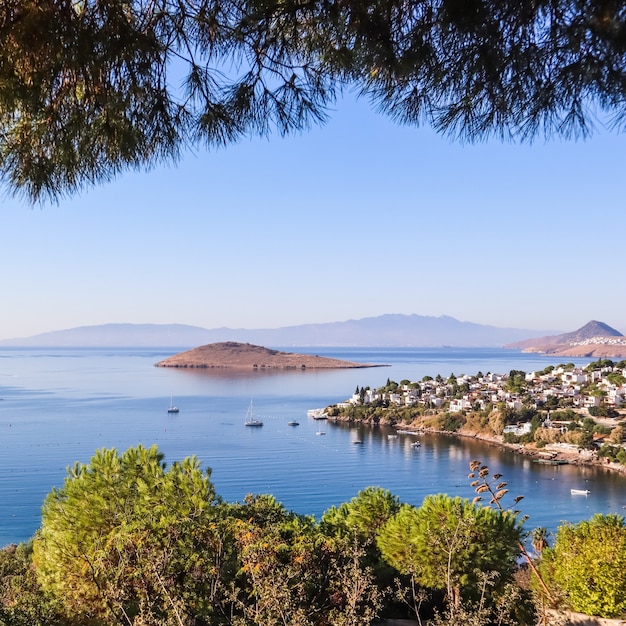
(607, 451)
(93, 94)
(513, 607)
(516, 382)
(389, 387)
(279, 568)
(290, 572)
(22, 601)
(510, 438)
(126, 538)
(599, 364)
(539, 539)
(616, 378)
(550, 403)
(564, 416)
(363, 515)
(446, 542)
(452, 422)
(602, 411)
(588, 562)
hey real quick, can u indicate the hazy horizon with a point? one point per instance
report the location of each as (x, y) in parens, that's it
(147, 325)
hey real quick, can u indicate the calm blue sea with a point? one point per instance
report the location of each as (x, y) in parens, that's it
(58, 406)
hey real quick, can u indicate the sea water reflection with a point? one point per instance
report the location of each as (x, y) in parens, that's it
(59, 406)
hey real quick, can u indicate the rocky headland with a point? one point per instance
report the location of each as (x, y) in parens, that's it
(233, 355)
(595, 339)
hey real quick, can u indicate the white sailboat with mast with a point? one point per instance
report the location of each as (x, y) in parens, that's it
(251, 419)
(172, 408)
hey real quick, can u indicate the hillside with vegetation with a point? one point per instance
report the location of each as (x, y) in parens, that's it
(559, 412)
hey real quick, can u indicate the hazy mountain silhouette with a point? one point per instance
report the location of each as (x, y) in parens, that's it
(392, 330)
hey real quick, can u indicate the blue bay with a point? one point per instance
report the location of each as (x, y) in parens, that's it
(58, 406)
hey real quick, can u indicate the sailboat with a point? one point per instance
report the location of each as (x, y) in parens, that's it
(172, 408)
(251, 420)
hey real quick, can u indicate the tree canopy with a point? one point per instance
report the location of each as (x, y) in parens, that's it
(89, 88)
(588, 562)
(125, 538)
(447, 543)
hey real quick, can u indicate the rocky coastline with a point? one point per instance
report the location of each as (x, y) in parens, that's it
(550, 453)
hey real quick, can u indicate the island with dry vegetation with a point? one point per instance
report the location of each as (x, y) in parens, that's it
(230, 354)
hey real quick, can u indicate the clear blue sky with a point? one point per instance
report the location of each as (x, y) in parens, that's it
(354, 219)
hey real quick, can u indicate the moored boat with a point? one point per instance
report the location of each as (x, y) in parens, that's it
(580, 492)
(172, 407)
(251, 419)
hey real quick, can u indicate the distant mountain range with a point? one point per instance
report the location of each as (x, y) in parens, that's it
(594, 339)
(392, 330)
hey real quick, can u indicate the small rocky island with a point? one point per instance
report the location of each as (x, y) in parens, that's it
(230, 354)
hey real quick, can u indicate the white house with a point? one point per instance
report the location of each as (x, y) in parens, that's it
(457, 405)
(518, 429)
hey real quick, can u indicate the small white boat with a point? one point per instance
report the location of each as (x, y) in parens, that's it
(392, 436)
(415, 444)
(320, 432)
(580, 492)
(172, 408)
(251, 419)
(317, 414)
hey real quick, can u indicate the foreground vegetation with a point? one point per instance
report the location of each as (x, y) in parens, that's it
(128, 540)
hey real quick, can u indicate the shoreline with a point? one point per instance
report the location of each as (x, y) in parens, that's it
(552, 452)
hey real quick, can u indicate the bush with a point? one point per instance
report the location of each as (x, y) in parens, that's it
(511, 438)
(588, 564)
(452, 422)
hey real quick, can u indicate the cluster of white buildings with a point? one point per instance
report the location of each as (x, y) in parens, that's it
(479, 391)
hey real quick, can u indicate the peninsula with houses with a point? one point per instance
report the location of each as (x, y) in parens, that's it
(560, 414)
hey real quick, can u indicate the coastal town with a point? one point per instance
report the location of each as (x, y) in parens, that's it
(557, 413)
